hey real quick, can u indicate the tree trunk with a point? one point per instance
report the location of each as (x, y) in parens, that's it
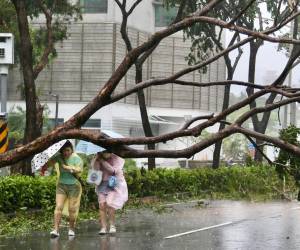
(258, 157)
(226, 100)
(34, 111)
(218, 145)
(260, 127)
(257, 125)
(144, 115)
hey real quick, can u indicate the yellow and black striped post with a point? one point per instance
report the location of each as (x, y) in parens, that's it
(3, 136)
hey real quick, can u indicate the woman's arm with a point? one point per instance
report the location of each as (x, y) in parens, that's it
(105, 166)
(72, 168)
(76, 167)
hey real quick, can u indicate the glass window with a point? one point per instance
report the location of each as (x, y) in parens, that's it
(50, 124)
(52, 121)
(136, 131)
(94, 6)
(92, 123)
(164, 16)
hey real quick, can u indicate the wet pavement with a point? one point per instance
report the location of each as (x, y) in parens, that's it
(248, 225)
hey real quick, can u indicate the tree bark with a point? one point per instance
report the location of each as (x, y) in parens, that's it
(34, 111)
(70, 129)
(226, 101)
(254, 46)
(218, 145)
(258, 157)
(226, 98)
(144, 114)
(138, 78)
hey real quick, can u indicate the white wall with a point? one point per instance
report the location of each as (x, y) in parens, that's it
(131, 112)
(144, 13)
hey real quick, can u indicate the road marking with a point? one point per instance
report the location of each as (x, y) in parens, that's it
(198, 230)
(295, 208)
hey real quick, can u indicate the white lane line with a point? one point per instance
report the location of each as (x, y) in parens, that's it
(294, 208)
(198, 230)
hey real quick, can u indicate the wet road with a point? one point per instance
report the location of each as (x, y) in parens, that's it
(273, 225)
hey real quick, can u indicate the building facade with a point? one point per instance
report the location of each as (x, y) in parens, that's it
(93, 51)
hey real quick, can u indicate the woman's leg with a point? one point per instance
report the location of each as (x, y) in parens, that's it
(102, 214)
(111, 215)
(74, 204)
(60, 200)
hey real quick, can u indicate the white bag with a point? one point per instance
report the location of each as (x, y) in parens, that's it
(94, 177)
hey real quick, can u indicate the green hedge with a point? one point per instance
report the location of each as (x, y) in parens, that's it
(235, 182)
(22, 192)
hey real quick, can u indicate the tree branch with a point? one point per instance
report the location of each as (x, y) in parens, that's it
(50, 42)
(71, 127)
(197, 118)
(233, 20)
(158, 82)
(275, 141)
(180, 11)
(134, 6)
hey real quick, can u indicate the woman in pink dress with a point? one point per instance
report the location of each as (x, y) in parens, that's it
(110, 199)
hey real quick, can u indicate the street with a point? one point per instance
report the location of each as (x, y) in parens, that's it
(220, 225)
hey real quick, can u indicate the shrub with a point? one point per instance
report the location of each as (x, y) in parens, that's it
(236, 182)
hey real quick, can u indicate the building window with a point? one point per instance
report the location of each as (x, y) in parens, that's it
(59, 121)
(92, 123)
(94, 6)
(2, 53)
(164, 16)
(136, 131)
(51, 123)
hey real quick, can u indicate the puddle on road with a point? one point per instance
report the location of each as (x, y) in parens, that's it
(260, 226)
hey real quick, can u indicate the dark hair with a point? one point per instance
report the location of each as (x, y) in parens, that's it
(68, 144)
(105, 151)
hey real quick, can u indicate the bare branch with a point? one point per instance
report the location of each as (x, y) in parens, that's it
(180, 11)
(72, 129)
(137, 2)
(266, 108)
(119, 4)
(207, 8)
(197, 118)
(277, 13)
(232, 21)
(158, 82)
(195, 131)
(296, 64)
(220, 35)
(260, 20)
(248, 32)
(50, 42)
(233, 39)
(237, 59)
(103, 96)
(275, 141)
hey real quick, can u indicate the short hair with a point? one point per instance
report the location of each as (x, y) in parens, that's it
(68, 144)
(105, 151)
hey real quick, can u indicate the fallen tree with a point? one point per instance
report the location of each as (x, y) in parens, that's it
(106, 95)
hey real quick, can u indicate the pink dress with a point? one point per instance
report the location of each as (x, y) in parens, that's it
(116, 197)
